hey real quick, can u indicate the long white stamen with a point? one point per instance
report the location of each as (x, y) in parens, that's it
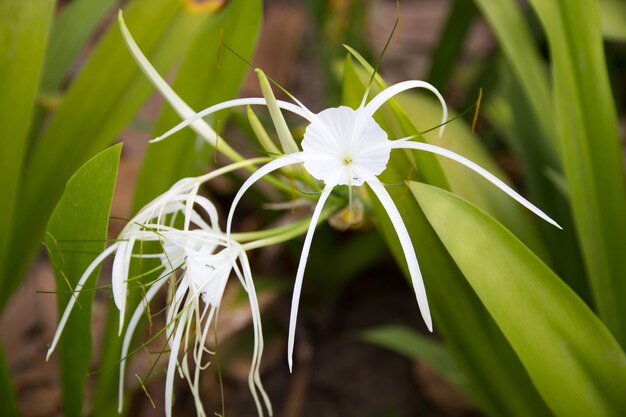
(407, 248)
(171, 367)
(253, 101)
(254, 376)
(300, 274)
(281, 162)
(81, 282)
(479, 170)
(395, 89)
(130, 330)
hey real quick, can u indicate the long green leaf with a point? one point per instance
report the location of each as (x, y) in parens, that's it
(414, 345)
(201, 83)
(23, 37)
(72, 28)
(514, 37)
(451, 42)
(423, 115)
(575, 362)
(499, 383)
(8, 407)
(592, 159)
(76, 234)
(101, 101)
(613, 13)
(525, 134)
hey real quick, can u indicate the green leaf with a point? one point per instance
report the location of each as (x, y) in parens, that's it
(451, 42)
(613, 14)
(592, 159)
(394, 120)
(414, 345)
(425, 113)
(76, 22)
(287, 143)
(522, 130)
(460, 139)
(104, 97)
(23, 37)
(500, 385)
(261, 134)
(76, 234)
(7, 405)
(574, 361)
(201, 83)
(516, 41)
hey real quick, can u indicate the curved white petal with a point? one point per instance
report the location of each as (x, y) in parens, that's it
(119, 277)
(407, 248)
(174, 308)
(183, 110)
(395, 89)
(130, 330)
(171, 366)
(259, 101)
(300, 274)
(278, 163)
(254, 379)
(81, 282)
(479, 170)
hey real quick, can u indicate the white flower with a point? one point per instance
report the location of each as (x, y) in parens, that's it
(344, 146)
(203, 258)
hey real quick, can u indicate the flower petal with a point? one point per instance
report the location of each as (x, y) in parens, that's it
(278, 163)
(130, 330)
(391, 91)
(300, 274)
(119, 276)
(183, 110)
(479, 170)
(81, 282)
(171, 366)
(228, 104)
(407, 248)
(254, 378)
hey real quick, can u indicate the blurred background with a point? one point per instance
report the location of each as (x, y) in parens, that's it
(352, 283)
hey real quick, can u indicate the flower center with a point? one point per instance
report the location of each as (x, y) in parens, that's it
(343, 146)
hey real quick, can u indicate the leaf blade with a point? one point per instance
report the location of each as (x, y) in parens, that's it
(76, 234)
(545, 321)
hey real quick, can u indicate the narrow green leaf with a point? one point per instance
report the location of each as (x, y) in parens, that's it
(104, 97)
(284, 134)
(76, 22)
(577, 365)
(263, 137)
(8, 407)
(460, 139)
(500, 385)
(451, 42)
(515, 39)
(524, 132)
(592, 158)
(414, 345)
(395, 121)
(613, 14)
(201, 83)
(425, 113)
(23, 37)
(76, 234)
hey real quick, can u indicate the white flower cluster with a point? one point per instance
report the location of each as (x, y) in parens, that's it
(341, 147)
(197, 261)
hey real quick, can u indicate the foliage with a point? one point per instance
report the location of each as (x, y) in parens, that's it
(532, 318)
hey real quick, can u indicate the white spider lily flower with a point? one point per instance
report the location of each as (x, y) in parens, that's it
(345, 146)
(208, 261)
(203, 257)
